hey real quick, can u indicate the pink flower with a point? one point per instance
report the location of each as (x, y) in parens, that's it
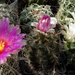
(11, 40)
(45, 23)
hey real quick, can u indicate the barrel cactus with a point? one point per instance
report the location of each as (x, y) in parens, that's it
(66, 19)
(42, 50)
(6, 11)
(9, 68)
(64, 12)
(32, 14)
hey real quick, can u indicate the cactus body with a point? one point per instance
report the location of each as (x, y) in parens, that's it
(32, 14)
(66, 18)
(42, 52)
(5, 11)
(66, 6)
(9, 68)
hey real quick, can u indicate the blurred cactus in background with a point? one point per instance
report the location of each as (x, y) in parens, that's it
(66, 6)
(66, 19)
(6, 11)
(32, 14)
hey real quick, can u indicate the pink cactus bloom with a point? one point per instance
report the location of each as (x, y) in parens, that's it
(45, 24)
(11, 40)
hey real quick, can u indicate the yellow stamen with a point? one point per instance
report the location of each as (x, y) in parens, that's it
(2, 44)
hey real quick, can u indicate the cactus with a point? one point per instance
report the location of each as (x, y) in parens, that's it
(66, 19)
(32, 14)
(9, 68)
(66, 6)
(6, 11)
(42, 50)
